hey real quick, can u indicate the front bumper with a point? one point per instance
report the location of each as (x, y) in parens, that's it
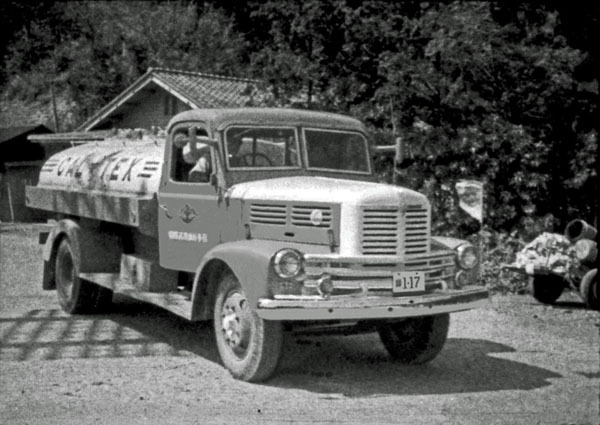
(298, 307)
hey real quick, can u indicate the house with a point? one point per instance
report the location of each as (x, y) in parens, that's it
(20, 163)
(160, 93)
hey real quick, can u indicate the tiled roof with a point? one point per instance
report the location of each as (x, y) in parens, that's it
(208, 91)
(197, 89)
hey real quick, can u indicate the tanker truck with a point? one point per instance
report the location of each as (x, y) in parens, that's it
(261, 221)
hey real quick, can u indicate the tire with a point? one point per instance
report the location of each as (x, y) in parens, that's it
(249, 346)
(77, 296)
(416, 340)
(589, 290)
(546, 288)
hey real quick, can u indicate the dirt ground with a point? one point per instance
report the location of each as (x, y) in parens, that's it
(513, 362)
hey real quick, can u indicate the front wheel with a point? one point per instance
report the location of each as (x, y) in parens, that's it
(249, 346)
(77, 296)
(547, 288)
(416, 340)
(589, 290)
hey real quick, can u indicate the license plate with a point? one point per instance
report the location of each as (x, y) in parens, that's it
(408, 283)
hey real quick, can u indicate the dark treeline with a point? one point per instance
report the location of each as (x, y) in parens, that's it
(502, 92)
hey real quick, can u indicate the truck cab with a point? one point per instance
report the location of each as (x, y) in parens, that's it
(259, 220)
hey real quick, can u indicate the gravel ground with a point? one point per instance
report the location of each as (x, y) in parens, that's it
(512, 362)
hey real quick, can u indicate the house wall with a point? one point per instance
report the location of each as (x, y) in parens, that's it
(12, 192)
(156, 109)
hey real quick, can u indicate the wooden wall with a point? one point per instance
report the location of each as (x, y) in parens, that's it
(12, 192)
(154, 109)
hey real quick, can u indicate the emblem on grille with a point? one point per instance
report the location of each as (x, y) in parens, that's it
(187, 213)
(316, 217)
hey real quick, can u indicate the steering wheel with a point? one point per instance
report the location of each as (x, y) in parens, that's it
(259, 159)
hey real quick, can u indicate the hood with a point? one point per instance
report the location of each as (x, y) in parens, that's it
(325, 190)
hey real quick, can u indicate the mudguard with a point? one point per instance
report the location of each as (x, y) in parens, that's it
(96, 252)
(447, 242)
(250, 262)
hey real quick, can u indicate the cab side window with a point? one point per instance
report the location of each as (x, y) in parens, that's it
(192, 162)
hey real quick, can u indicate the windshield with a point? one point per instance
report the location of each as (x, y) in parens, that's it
(337, 151)
(261, 147)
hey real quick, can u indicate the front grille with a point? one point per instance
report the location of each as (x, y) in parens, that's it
(301, 216)
(383, 229)
(380, 231)
(416, 233)
(268, 214)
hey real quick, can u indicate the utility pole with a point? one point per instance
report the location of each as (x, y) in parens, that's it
(54, 109)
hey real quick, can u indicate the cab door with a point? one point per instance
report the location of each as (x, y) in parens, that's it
(191, 215)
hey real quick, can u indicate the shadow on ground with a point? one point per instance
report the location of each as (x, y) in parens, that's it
(129, 329)
(352, 366)
(358, 366)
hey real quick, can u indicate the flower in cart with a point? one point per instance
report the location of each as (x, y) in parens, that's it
(551, 251)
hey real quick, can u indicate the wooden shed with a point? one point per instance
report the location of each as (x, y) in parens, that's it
(20, 163)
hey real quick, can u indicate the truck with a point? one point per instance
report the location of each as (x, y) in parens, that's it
(261, 220)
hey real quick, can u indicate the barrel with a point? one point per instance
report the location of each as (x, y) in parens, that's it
(579, 229)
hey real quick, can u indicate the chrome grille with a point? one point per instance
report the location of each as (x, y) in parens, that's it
(301, 216)
(416, 233)
(268, 214)
(390, 231)
(380, 231)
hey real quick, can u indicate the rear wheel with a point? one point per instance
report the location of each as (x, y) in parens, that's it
(249, 346)
(416, 340)
(589, 290)
(546, 288)
(77, 296)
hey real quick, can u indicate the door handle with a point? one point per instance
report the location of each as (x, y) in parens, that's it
(166, 210)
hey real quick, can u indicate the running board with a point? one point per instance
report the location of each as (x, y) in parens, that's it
(178, 303)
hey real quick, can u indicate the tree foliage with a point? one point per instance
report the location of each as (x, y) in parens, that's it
(503, 92)
(91, 51)
(477, 90)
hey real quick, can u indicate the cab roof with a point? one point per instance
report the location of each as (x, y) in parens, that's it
(218, 119)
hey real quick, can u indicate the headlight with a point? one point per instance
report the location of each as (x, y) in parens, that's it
(288, 263)
(466, 256)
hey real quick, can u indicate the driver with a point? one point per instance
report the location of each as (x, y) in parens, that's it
(196, 154)
(199, 155)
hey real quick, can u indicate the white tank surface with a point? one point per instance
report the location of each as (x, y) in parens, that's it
(116, 166)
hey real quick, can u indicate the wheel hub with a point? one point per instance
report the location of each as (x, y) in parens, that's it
(236, 323)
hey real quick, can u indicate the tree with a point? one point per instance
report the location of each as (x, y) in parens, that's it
(466, 90)
(94, 50)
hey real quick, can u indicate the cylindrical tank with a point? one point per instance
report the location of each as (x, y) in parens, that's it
(117, 166)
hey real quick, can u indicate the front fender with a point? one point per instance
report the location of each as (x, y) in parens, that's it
(444, 242)
(250, 262)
